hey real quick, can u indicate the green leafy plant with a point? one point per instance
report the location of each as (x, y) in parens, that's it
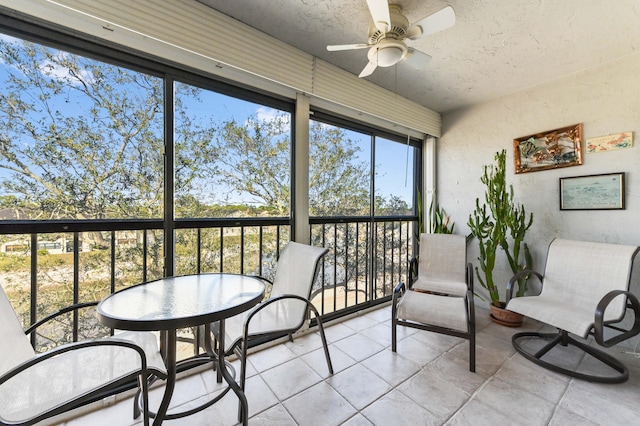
(440, 221)
(499, 223)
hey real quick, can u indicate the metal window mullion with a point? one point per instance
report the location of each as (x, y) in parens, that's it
(373, 229)
(335, 267)
(112, 264)
(242, 228)
(144, 255)
(357, 256)
(393, 250)
(169, 179)
(346, 264)
(260, 251)
(221, 249)
(34, 285)
(199, 250)
(76, 282)
(324, 242)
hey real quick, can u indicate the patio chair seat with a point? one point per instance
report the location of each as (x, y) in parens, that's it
(34, 387)
(585, 292)
(279, 317)
(440, 285)
(576, 319)
(59, 379)
(285, 311)
(440, 298)
(441, 311)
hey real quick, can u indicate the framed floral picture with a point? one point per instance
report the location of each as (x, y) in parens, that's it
(548, 150)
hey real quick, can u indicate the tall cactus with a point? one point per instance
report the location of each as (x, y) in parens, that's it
(492, 227)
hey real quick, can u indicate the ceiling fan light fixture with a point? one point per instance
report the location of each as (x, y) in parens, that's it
(387, 53)
(389, 56)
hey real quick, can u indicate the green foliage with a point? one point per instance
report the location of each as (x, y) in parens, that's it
(83, 139)
(499, 223)
(78, 142)
(440, 221)
(338, 183)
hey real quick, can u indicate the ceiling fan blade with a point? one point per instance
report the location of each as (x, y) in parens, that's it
(368, 70)
(380, 13)
(334, 48)
(417, 59)
(441, 20)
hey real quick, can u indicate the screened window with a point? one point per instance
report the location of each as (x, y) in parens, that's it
(339, 171)
(346, 164)
(80, 138)
(233, 157)
(394, 177)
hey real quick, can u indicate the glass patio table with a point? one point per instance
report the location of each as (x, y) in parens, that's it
(172, 303)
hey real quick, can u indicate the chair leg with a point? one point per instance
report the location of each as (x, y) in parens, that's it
(562, 338)
(394, 323)
(242, 354)
(393, 334)
(472, 352)
(323, 337)
(144, 384)
(471, 321)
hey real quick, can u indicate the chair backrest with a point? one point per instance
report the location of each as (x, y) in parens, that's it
(580, 273)
(15, 344)
(443, 256)
(297, 269)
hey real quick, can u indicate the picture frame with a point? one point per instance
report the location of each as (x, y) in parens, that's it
(593, 192)
(551, 149)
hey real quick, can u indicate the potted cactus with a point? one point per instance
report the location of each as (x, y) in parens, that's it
(499, 224)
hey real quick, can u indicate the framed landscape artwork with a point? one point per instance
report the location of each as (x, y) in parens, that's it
(548, 150)
(593, 192)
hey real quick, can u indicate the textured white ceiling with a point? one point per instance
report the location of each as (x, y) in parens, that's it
(497, 47)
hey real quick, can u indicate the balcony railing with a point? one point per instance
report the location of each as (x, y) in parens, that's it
(52, 264)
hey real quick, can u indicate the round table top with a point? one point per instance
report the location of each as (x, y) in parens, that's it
(178, 302)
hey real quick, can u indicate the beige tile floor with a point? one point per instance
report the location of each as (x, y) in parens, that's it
(426, 382)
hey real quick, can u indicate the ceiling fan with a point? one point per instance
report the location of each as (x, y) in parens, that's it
(389, 32)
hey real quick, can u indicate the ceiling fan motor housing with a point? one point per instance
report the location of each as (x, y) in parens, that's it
(397, 31)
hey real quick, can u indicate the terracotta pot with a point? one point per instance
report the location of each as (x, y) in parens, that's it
(502, 316)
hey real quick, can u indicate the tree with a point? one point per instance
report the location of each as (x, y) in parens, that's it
(84, 139)
(77, 141)
(254, 158)
(338, 181)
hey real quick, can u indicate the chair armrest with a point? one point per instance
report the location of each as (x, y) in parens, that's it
(471, 310)
(512, 282)
(58, 313)
(271, 301)
(599, 323)
(469, 277)
(400, 288)
(75, 346)
(413, 271)
(398, 292)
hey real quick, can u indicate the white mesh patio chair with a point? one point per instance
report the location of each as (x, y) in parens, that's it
(285, 310)
(440, 298)
(585, 291)
(35, 387)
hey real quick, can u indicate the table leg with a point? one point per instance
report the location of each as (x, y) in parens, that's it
(170, 362)
(243, 409)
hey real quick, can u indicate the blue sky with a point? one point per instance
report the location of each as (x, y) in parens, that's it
(392, 178)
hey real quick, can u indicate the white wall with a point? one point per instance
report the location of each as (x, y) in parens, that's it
(605, 99)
